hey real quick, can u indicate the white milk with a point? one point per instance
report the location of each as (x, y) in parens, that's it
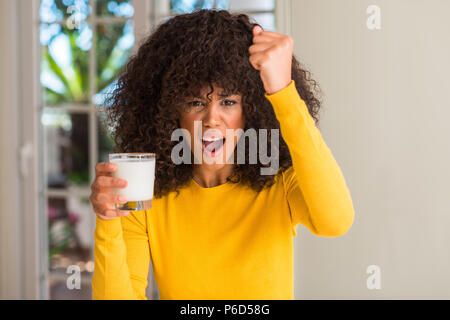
(140, 176)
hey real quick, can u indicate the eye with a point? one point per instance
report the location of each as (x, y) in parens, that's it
(195, 103)
(229, 102)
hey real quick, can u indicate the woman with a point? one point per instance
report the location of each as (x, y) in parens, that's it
(216, 230)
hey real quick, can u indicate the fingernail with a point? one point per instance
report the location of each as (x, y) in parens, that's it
(122, 199)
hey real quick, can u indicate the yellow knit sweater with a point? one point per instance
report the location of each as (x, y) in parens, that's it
(228, 241)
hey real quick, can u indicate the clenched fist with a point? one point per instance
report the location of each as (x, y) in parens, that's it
(271, 54)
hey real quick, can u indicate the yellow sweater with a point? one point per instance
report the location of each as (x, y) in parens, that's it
(228, 242)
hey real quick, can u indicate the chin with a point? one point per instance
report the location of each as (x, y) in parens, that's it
(214, 163)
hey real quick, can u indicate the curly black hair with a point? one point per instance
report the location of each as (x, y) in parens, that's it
(177, 59)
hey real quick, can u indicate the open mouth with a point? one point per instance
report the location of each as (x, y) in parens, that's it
(213, 147)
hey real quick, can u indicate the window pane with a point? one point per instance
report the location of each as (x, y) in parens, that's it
(64, 63)
(70, 228)
(114, 43)
(67, 146)
(267, 20)
(72, 11)
(187, 6)
(252, 5)
(117, 8)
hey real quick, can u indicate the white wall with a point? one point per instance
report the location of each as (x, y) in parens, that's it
(385, 117)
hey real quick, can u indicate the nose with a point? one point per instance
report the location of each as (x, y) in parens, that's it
(212, 116)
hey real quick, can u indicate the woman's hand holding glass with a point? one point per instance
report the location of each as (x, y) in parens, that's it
(102, 197)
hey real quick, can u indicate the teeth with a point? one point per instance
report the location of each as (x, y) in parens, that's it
(213, 146)
(210, 140)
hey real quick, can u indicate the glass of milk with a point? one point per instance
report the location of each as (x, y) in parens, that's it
(138, 169)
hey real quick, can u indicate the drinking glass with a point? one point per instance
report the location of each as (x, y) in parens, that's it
(138, 169)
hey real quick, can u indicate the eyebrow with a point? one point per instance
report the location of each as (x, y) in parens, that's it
(228, 94)
(222, 95)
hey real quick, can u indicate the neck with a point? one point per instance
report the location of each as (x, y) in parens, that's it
(208, 178)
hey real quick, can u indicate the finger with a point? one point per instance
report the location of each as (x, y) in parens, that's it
(106, 182)
(108, 213)
(105, 202)
(105, 168)
(108, 198)
(254, 48)
(258, 59)
(266, 36)
(262, 39)
(271, 34)
(257, 29)
(110, 182)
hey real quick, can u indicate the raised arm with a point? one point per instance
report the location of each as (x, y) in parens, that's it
(315, 188)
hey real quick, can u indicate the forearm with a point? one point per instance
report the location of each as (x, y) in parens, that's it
(111, 279)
